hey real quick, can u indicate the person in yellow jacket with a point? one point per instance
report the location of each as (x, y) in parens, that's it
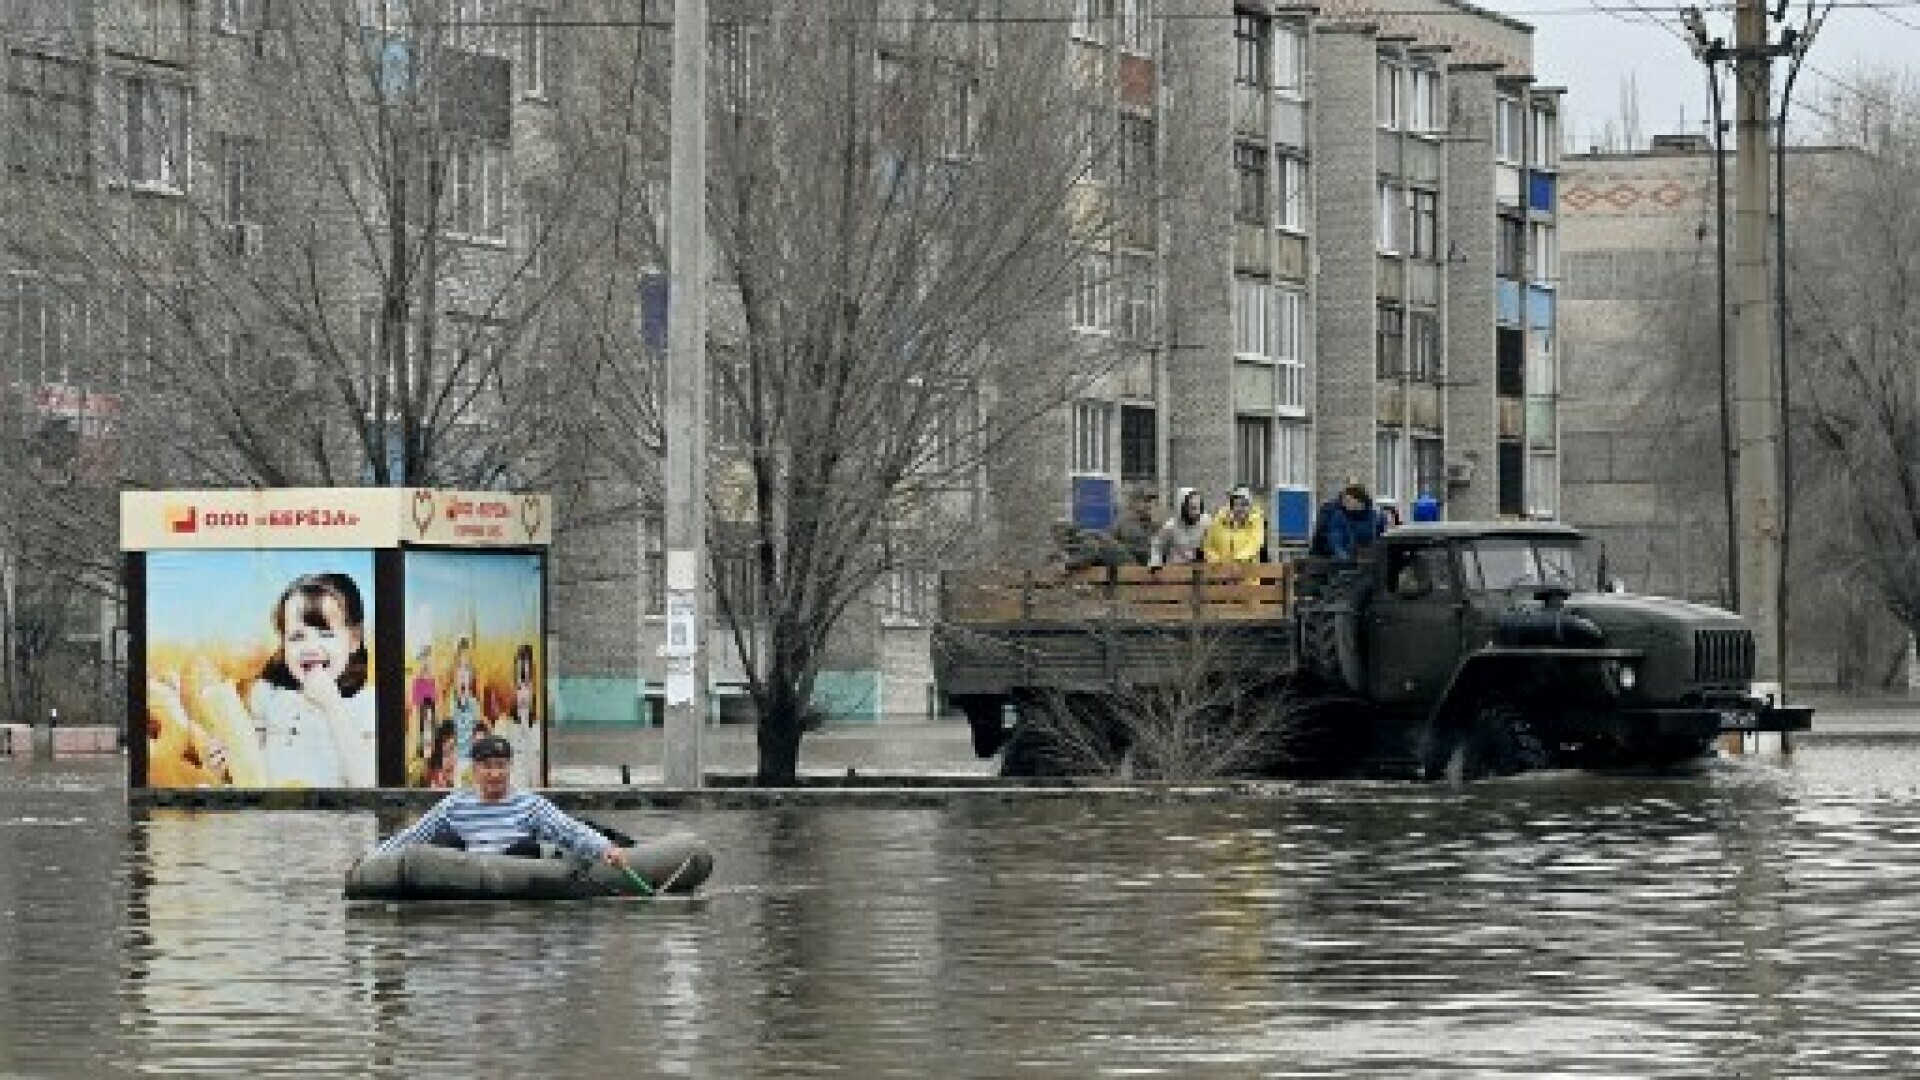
(1239, 533)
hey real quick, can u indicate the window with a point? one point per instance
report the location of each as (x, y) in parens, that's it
(475, 195)
(533, 53)
(1543, 483)
(475, 373)
(1390, 351)
(1426, 225)
(1250, 165)
(1389, 100)
(1429, 468)
(1546, 141)
(231, 16)
(912, 595)
(1092, 439)
(1253, 452)
(1425, 115)
(474, 26)
(1543, 252)
(1423, 346)
(1289, 59)
(239, 164)
(1393, 209)
(1137, 136)
(653, 553)
(1512, 247)
(1507, 133)
(1291, 465)
(150, 134)
(1288, 335)
(1249, 49)
(1136, 26)
(534, 237)
(1252, 319)
(1139, 301)
(41, 328)
(46, 121)
(960, 122)
(1093, 296)
(1091, 19)
(1139, 446)
(1389, 466)
(1293, 192)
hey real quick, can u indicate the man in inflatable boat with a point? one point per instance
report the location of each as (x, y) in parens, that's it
(493, 817)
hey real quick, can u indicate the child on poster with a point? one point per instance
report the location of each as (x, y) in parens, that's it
(316, 725)
(463, 708)
(520, 730)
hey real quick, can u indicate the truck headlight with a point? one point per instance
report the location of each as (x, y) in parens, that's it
(1629, 678)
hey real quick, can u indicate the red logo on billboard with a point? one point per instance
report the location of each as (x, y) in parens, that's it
(182, 519)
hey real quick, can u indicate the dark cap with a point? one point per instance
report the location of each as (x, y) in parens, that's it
(491, 748)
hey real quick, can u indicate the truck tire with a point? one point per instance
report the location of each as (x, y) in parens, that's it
(986, 715)
(1500, 742)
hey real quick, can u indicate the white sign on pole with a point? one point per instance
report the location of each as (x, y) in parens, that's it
(679, 680)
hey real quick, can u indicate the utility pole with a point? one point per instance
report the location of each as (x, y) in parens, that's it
(685, 412)
(1756, 381)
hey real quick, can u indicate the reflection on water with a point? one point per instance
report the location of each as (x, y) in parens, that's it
(1744, 920)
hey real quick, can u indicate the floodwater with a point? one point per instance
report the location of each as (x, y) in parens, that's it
(1750, 919)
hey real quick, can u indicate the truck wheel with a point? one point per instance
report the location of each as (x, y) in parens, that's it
(1500, 742)
(1032, 751)
(987, 717)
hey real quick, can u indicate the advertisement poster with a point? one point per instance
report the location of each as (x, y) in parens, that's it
(260, 670)
(475, 662)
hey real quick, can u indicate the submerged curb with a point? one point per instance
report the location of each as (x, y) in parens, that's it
(725, 793)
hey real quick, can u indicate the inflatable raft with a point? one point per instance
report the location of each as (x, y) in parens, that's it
(672, 864)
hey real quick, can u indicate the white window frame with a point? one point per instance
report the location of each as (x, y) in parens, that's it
(1289, 323)
(1390, 96)
(1542, 480)
(1507, 134)
(1138, 316)
(1393, 213)
(1544, 133)
(1389, 465)
(912, 596)
(1253, 316)
(532, 61)
(1093, 294)
(138, 166)
(1543, 252)
(1092, 20)
(1292, 172)
(474, 201)
(1253, 451)
(1287, 59)
(1423, 232)
(1093, 437)
(231, 17)
(1292, 465)
(1136, 27)
(1424, 116)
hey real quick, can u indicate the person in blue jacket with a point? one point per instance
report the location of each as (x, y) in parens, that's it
(1348, 525)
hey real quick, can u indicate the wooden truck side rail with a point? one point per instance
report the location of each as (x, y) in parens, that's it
(1195, 592)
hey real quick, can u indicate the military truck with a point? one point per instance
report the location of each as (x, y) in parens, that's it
(1476, 648)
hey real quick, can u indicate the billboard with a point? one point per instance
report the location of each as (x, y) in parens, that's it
(475, 662)
(259, 668)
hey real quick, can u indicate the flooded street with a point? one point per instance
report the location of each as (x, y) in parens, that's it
(1750, 919)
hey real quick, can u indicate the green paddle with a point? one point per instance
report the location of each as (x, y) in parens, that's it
(645, 889)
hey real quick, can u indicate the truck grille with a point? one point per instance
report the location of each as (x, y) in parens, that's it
(1723, 656)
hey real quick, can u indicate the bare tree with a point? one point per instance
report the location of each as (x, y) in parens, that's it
(902, 207)
(1855, 259)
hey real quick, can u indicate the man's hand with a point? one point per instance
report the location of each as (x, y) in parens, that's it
(615, 857)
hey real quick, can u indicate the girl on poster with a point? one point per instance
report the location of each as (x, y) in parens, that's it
(521, 731)
(463, 708)
(316, 724)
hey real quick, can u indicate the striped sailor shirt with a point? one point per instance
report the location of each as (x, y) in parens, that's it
(492, 826)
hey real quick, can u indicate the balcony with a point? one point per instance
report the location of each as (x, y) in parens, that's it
(1250, 248)
(1513, 419)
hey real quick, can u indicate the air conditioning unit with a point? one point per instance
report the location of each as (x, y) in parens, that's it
(1459, 473)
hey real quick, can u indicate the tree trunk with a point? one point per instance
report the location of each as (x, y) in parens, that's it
(782, 714)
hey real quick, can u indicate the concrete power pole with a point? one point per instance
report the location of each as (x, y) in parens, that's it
(1756, 383)
(685, 412)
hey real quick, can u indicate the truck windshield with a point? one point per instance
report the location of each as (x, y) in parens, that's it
(1498, 563)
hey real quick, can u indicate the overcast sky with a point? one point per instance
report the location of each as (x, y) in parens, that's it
(1594, 48)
